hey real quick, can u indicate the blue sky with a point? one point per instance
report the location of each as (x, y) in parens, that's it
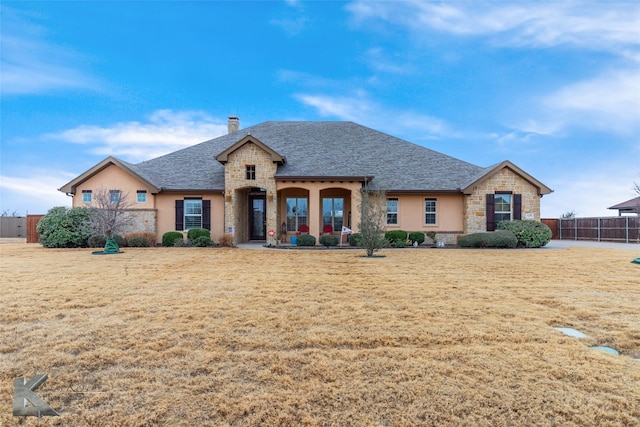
(552, 86)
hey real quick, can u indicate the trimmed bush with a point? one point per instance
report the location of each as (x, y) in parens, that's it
(328, 240)
(120, 241)
(396, 235)
(97, 241)
(203, 242)
(138, 242)
(530, 234)
(194, 233)
(169, 238)
(417, 236)
(63, 227)
(497, 239)
(151, 237)
(306, 240)
(354, 239)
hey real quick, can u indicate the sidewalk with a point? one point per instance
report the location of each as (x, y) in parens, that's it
(560, 244)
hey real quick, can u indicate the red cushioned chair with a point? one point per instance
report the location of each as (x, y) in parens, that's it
(327, 229)
(303, 229)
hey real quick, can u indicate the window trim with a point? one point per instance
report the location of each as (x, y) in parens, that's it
(496, 212)
(113, 193)
(88, 193)
(397, 203)
(250, 172)
(296, 215)
(434, 212)
(139, 193)
(188, 225)
(333, 222)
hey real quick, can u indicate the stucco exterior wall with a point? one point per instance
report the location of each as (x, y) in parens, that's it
(114, 178)
(475, 217)
(166, 208)
(411, 214)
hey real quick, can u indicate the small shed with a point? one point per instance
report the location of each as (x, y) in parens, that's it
(629, 207)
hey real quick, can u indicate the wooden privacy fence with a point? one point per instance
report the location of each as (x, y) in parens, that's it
(621, 229)
(32, 223)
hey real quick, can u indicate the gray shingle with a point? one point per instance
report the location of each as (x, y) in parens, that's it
(317, 149)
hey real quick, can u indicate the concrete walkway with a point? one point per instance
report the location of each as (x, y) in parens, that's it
(561, 244)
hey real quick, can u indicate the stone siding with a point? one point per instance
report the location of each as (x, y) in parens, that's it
(144, 221)
(235, 174)
(475, 218)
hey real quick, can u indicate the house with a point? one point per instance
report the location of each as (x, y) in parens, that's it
(629, 207)
(274, 177)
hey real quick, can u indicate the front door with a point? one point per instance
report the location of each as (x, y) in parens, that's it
(257, 217)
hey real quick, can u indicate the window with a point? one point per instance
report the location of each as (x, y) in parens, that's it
(86, 196)
(114, 196)
(392, 211)
(192, 213)
(251, 172)
(502, 207)
(141, 196)
(430, 211)
(333, 212)
(297, 213)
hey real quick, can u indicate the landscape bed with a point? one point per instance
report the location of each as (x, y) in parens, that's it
(222, 336)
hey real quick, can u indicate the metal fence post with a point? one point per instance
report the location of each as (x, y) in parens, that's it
(598, 229)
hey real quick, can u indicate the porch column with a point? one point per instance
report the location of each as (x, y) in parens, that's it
(315, 213)
(355, 209)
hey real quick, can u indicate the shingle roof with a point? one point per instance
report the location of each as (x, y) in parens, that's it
(317, 149)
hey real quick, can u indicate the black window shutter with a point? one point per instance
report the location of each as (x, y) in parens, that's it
(517, 206)
(179, 214)
(206, 214)
(491, 218)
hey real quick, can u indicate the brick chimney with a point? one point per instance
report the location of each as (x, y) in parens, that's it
(234, 124)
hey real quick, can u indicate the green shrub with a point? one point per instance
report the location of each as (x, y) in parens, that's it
(169, 238)
(396, 235)
(151, 237)
(203, 242)
(97, 241)
(138, 242)
(328, 240)
(63, 227)
(306, 240)
(120, 241)
(194, 233)
(530, 234)
(417, 236)
(496, 239)
(354, 239)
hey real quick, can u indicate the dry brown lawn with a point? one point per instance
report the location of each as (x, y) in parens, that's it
(434, 337)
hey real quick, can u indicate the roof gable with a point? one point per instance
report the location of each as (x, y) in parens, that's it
(70, 187)
(490, 171)
(224, 156)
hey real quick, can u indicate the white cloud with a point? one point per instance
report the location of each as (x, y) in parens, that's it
(31, 65)
(34, 194)
(600, 25)
(358, 108)
(164, 132)
(592, 190)
(610, 101)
